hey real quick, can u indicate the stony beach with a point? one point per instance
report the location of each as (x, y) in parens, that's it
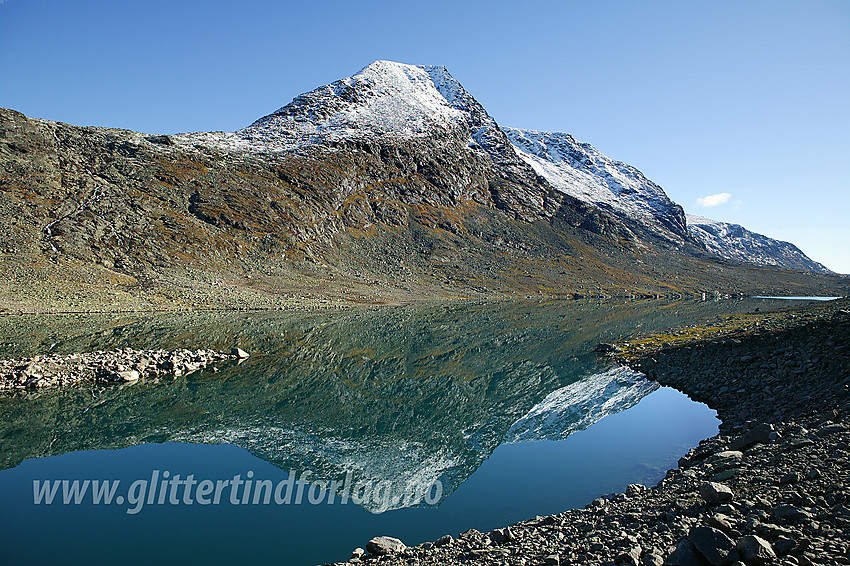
(773, 487)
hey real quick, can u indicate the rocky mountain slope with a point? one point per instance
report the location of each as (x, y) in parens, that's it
(388, 186)
(733, 241)
(580, 170)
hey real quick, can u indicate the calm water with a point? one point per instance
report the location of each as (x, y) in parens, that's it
(442, 418)
(797, 298)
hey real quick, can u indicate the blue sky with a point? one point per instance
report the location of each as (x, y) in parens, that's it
(746, 98)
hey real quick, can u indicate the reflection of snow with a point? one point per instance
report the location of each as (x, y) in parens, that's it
(581, 404)
(403, 471)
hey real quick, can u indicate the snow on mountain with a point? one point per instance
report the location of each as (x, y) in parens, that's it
(580, 170)
(383, 100)
(733, 241)
(388, 102)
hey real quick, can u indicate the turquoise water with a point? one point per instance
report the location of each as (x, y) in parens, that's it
(516, 482)
(451, 417)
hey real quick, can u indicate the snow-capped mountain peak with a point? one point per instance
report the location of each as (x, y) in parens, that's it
(733, 241)
(383, 100)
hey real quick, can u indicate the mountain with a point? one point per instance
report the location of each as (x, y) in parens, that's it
(402, 105)
(392, 185)
(580, 170)
(733, 241)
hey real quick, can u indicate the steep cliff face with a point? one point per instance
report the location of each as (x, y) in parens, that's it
(733, 241)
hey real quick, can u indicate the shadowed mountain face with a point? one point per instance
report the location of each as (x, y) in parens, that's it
(390, 185)
(399, 395)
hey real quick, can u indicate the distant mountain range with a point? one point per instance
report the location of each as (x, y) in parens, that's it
(733, 241)
(389, 185)
(582, 171)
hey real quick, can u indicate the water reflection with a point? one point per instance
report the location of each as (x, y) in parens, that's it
(409, 395)
(479, 398)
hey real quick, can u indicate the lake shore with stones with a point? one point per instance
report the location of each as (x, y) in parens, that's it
(773, 487)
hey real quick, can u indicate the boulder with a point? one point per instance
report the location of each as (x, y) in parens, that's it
(759, 434)
(128, 375)
(685, 555)
(715, 493)
(239, 353)
(379, 546)
(631, 557)
(755, 550)
(713, 544)
(444, 540)
(790, 513)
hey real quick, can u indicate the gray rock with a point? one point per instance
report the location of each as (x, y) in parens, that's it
(497, 536)
(791, 513)
(729, 455)
(552, 560)
(759, 434)
(726, 475)
(720, 521)
(444, 540)
(830, 429)
(715, 493)
(357, 553)
(128, 375)
(379, 546)
(784, 545)
(652, 559)
(713, 544)
(790, 477)
(632, 556)
(685, 554)
(755, 550)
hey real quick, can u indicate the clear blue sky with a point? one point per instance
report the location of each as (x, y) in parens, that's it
(746, 98)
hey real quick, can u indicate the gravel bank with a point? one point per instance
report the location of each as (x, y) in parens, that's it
(773, 487)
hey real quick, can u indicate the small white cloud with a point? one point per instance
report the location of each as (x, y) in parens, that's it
(714, 200)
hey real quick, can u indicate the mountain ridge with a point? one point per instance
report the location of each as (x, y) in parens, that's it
(393, 210)
(733, 241)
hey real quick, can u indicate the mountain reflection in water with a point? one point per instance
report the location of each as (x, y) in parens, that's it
(408, 395)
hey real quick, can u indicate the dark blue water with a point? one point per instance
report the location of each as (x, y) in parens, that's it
(504, 407)
(518, 481)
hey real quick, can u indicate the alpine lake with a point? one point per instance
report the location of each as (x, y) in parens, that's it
(412, 422)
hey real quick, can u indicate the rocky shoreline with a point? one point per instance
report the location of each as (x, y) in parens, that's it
(116, 366)
(773, 487)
